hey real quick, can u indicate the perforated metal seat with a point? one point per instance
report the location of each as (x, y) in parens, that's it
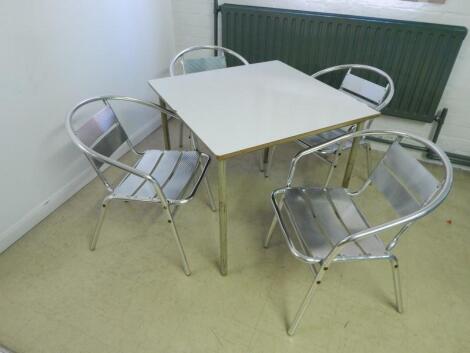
(324, 225)
(169, 178)
(209, 63)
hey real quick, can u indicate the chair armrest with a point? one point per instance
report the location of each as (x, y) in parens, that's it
(149, 104)
(196, 184)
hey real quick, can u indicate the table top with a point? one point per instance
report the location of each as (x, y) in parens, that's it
(245, 108)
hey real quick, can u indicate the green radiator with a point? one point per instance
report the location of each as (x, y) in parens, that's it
(418, 56)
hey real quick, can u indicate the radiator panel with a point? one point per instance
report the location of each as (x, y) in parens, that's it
(418, 56)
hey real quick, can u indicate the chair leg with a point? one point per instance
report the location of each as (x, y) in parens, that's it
(305, 303)
(270, 232)
(333, 165)
(210, 195)
(368, 164)
(267, 160)
(396, 283)
(261, 160)
(186, 268)
(96, 234)
(181, 134)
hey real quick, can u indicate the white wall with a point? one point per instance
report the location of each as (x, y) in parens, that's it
(53, 54)
(193, 25)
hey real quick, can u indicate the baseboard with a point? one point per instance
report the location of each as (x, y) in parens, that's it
(45, 208)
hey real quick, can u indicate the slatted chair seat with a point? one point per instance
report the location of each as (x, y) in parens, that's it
(173, 170)
(324, 217)
(326, 136)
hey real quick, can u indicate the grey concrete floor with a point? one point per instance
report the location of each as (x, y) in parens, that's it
(131, 294)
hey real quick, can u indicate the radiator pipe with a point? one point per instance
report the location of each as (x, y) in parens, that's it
(440, 119)
(216, 23)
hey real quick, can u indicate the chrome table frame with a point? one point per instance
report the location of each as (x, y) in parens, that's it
(266, 146)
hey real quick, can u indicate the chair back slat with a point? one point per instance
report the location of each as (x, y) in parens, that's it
(204, 64)
(103, 133)
(374, 95)
(416, 178)
(189, 61)
(398, 196)
(403, 180)
(362, 88)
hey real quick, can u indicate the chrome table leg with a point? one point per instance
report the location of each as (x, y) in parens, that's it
(223, 216)
(166, 132)
(352, 157)
(267, 160)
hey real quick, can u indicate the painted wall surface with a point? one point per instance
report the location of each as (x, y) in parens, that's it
(54, 54)
(193, 25)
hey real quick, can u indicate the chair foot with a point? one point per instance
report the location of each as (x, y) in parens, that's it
(96, 234)
(396, 283)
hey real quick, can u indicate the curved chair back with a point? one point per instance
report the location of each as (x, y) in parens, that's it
(192, 65)
(102, 134)
(374, 95)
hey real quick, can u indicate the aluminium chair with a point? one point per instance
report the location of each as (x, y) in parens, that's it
(189, 62)
(326, 225)
(168, 178)
(374, 95)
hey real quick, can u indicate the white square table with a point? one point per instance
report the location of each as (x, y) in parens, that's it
(251, 107)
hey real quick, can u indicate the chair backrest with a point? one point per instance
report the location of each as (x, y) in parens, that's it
(101, 132)
(373, 94)
(192, 65)
(404, 181)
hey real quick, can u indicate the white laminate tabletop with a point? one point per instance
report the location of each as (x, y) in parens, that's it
(249, 107)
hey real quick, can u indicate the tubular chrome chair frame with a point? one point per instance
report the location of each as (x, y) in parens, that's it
(179, 58)
(97, 160)
(389, 92)
(405, 220)
(379, 106)
(390, 84)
